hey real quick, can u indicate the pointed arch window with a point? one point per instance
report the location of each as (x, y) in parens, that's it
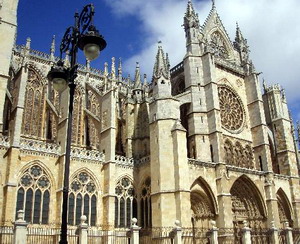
(92, 134)
(34, 105)
(77, 118)
(145, 204)
(82, 199)
(33, 196)
(125, 203)
(218, 45)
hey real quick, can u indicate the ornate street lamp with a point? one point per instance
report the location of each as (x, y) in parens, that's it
(85, 36)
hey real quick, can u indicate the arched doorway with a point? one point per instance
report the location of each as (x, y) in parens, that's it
(284, 209)
(204, 210)
(247, 204)
(203, 204)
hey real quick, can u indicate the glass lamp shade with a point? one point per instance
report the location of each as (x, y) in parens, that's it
(91, 51)
(58, 76)
(59, 84)
(92, 43)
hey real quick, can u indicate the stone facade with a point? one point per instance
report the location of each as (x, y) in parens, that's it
(200, 143)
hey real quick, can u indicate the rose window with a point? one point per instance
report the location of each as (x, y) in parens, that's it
(232, 113)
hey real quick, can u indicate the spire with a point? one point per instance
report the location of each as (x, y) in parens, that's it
(191, 19)
(113, 68)
(241, 45)
(88, 64)
(105, 68)
(52, 48)
(67, 59)
(28, 42)
(120, 67)
(137, 77)
(213, 4)
(161, 66)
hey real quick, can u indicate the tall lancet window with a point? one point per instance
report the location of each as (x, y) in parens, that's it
(77, 118)
(145, 204)
(125, 203)
(92, 132)
(33, 195)
(82, 199)
(34, 105)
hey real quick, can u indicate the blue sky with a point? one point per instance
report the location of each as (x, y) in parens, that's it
(132, 29)
(40, 20)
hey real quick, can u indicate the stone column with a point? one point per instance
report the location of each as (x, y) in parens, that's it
(246, 239)
(20, 229)
(134, 232)
(177, 232)
(213, 233)
(288, 233)
(274, 233)
(83, 230)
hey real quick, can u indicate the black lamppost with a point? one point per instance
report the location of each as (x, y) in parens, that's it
(85, 36)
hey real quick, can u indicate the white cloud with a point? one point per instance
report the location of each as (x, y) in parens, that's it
(271, 27)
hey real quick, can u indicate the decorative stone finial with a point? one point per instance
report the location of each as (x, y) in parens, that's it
(213, 224)
(134, 222)
(20, 215)
(28, 42)
(272, 224)
(286, 225)
(246, 224)
(177, 223)
(105, 68)
(83, 218)
(88, 64)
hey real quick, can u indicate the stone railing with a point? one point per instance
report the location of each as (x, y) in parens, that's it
(196, 162)
(281, 177)
(82, 154)
(245, 170)
(4, 141)
(39, 146)
(142, 161)
(123, 161)
(177, 68)
(230, 66)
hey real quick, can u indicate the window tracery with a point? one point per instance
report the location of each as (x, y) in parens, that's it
(125, 203)
(77, 118)
(33, 105)
(145, 204)
(237, 155)
(218, 45)
(82, 199)
(232, 111)
(52, 119)
(33, 195)
(92, 132)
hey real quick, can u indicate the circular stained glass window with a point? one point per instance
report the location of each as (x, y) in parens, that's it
(125, 182)
(119, 190)
(35, 171)
(43, 182)
(232, 113)
(90, 187)
(83, 177)
(26, 180)
(75, 186)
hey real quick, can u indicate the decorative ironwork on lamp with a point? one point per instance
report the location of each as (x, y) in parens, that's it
(85, 36)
